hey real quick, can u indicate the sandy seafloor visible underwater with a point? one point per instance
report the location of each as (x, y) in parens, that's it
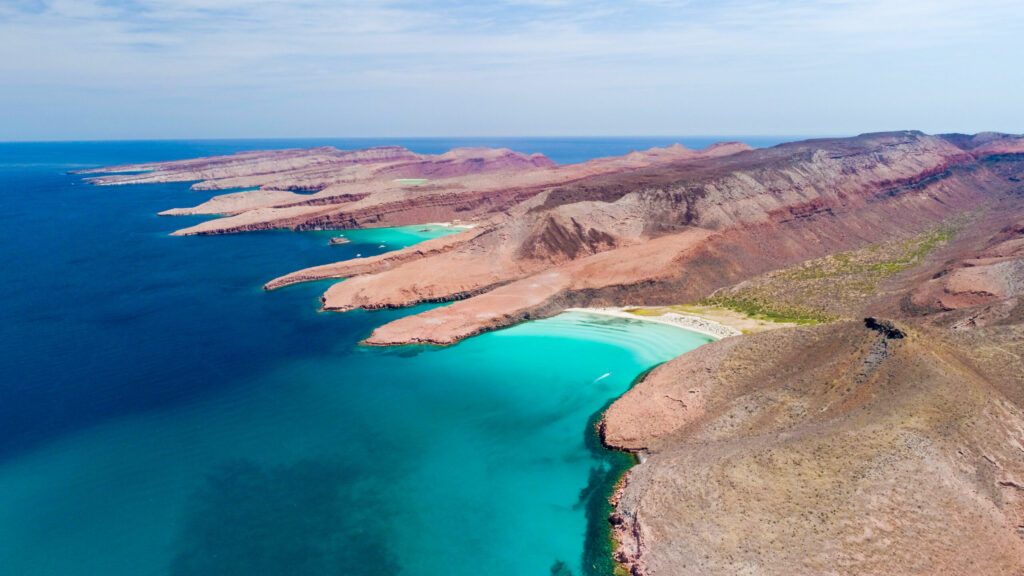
(161, 414)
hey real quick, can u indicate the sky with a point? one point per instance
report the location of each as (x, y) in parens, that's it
(125, 69)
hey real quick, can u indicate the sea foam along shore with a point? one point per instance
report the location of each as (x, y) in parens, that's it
(456, 224)
(691, 322)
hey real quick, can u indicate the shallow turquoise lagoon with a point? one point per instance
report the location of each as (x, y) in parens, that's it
(464, 460)
(392, 238)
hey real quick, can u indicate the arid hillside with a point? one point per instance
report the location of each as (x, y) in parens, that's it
(854, 445)
(845, 448)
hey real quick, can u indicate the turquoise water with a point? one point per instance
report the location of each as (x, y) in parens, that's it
(464, 460)
(161, 414)
(391, 238)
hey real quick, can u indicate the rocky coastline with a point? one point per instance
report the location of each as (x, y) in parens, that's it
(832, 446)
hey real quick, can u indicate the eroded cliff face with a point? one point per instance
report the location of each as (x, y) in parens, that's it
(675, 232)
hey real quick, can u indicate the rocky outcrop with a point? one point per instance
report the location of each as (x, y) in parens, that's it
(991, 274)
(837, 449)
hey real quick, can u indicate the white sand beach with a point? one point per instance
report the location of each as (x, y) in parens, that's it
(691, 322)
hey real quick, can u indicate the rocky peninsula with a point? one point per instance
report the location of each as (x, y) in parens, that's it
(878, 431)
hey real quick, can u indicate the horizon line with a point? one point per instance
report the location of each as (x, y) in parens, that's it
(427, 137)
(726, 136)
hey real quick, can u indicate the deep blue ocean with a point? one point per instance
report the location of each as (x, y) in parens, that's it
(161, 414)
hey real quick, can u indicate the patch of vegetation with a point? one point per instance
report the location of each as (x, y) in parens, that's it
(877, 261)
(412, 181)
(827, 288)
(917, 248)
(824, 289)
(735, 318)
(762, 309)
(646, 311)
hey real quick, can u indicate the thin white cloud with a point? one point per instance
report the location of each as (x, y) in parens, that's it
(450, 48)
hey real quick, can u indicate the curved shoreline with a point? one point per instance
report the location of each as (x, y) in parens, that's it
(600, 544)
(602, 518)
(605, 532)
(691, 322)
